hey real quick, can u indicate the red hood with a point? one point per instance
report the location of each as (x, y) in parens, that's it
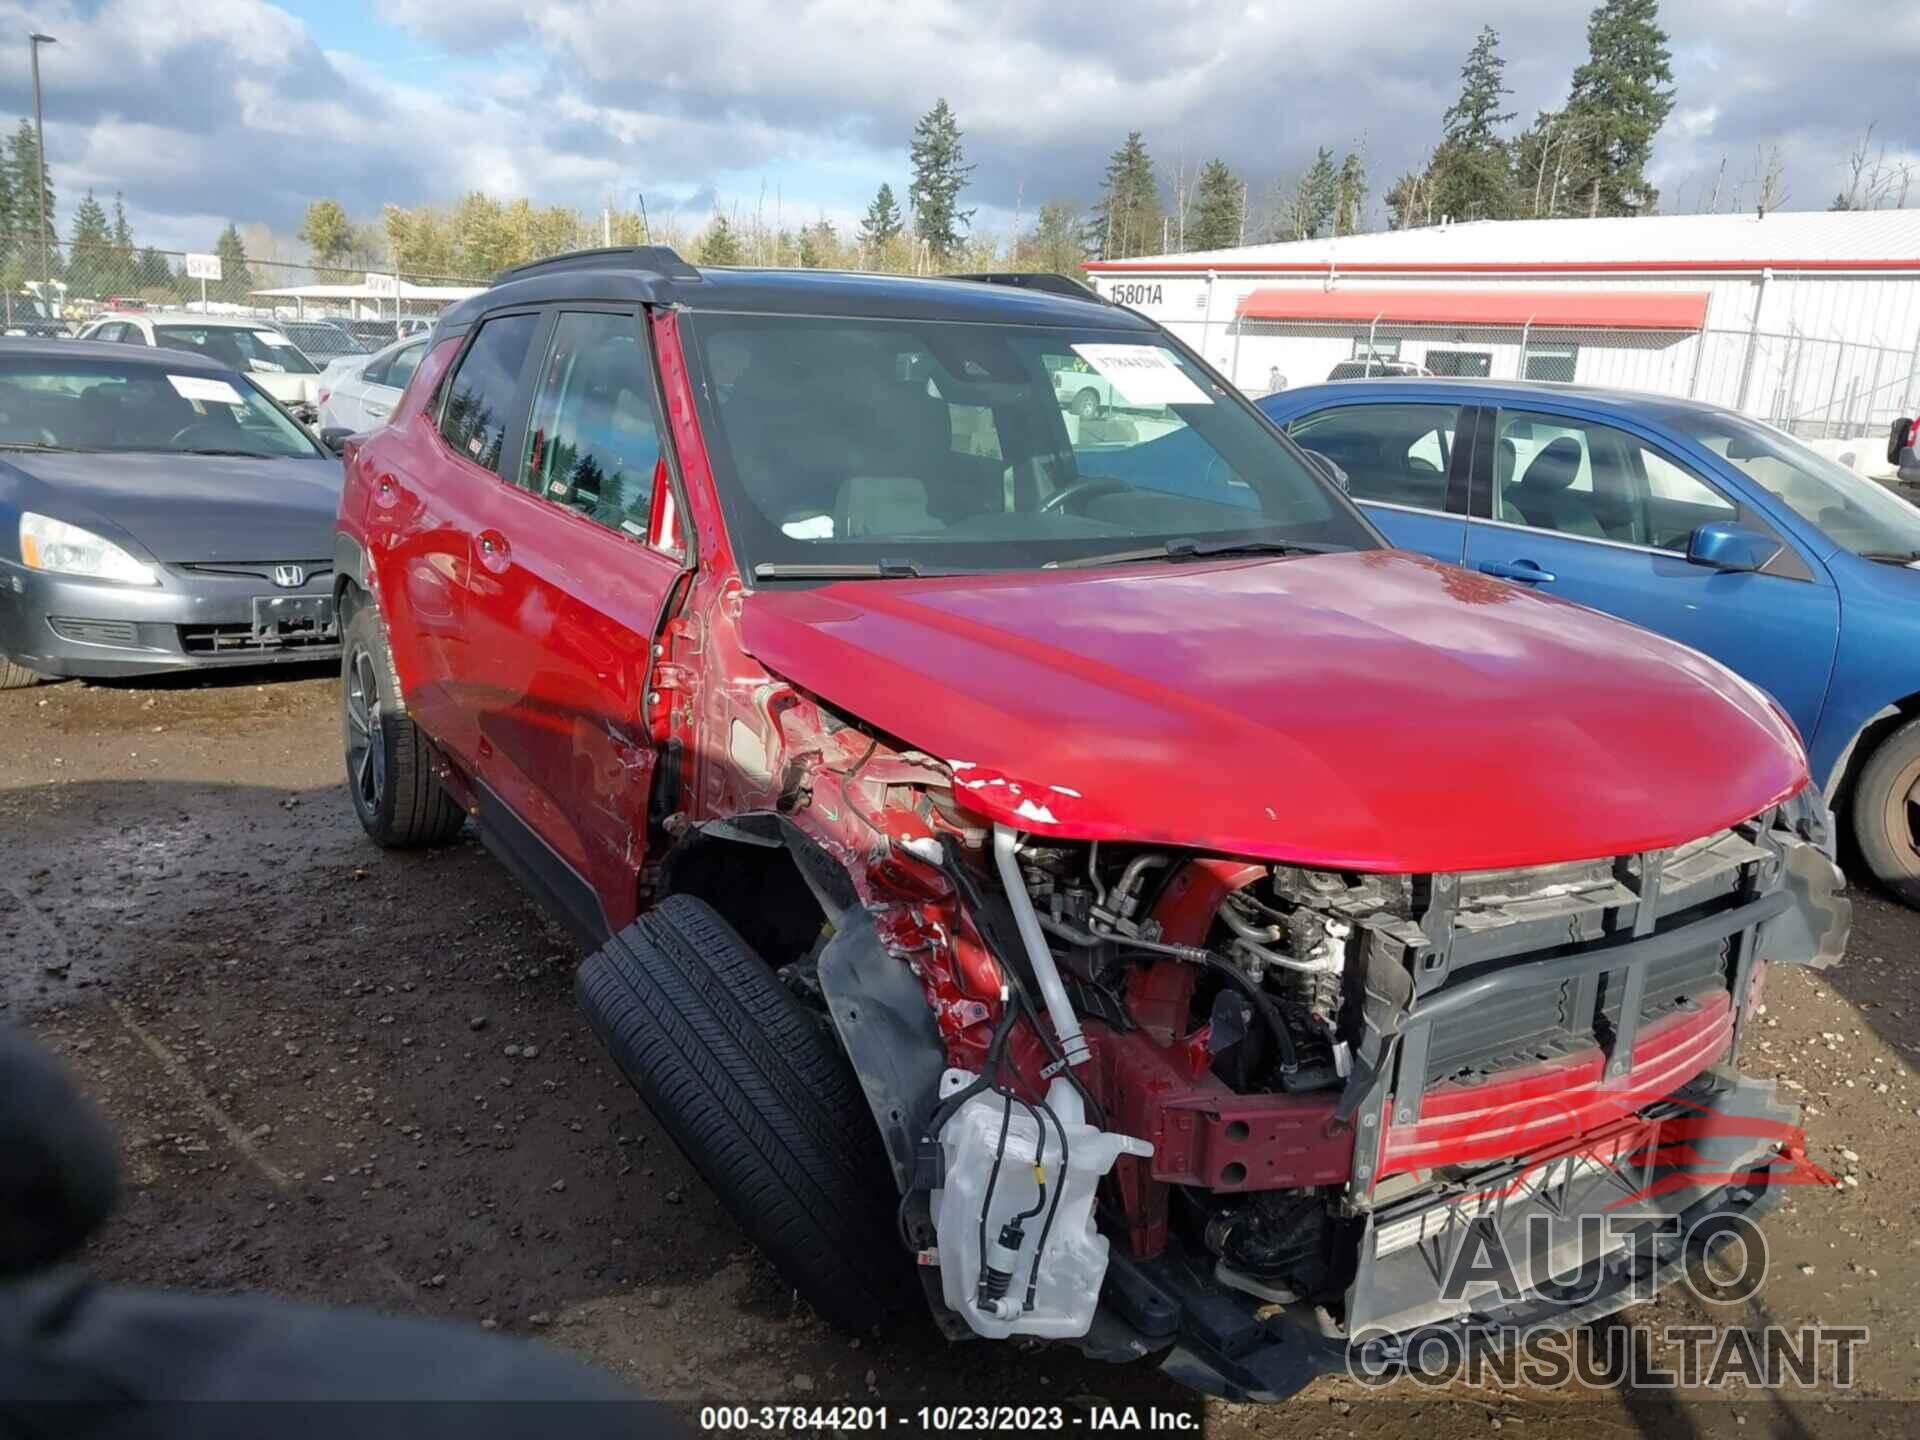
(1367, 711)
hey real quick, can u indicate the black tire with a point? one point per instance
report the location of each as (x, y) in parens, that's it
(1886, 813)
(17, 677)
(1087, 404)
(760, 1100)
(389, 767)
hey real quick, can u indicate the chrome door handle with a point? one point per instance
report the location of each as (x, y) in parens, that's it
(1525, 571)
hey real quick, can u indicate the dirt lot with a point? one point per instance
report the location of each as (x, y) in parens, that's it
(354, 1077)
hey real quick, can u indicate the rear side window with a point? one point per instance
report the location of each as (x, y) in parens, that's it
(480, 394)
(1393, 454)
(594, 444)
(395, 369)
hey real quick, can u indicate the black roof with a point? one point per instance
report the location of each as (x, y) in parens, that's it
(147, 356)
(655, 275)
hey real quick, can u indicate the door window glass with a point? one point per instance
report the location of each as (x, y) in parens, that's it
(1395, 454)
(480, 394)
(400, 369)
(594, 444)
(1576, 477)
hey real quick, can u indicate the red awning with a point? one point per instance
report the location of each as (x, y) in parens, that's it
(1542, 309)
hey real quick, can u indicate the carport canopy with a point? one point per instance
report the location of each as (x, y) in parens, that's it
(1684, 310)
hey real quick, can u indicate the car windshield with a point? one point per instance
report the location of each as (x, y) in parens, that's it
(74, 404)
(908, 445)
(262, 351)
(1850, 509)
(324, 340)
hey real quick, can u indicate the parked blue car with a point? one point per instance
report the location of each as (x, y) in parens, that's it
(1699, 523)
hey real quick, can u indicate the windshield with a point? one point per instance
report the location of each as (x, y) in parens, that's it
(1850, 509)
(936, 445)
(324, 340)
(63, 404)
(264, 352)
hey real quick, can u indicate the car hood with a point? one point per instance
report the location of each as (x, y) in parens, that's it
(179, 508)
(1369, 711)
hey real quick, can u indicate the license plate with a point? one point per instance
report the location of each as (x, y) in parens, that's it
(291, 618)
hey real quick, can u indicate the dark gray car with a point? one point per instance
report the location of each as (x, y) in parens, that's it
(158, 511)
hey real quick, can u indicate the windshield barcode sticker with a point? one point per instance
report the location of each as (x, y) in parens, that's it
(1144, 375)
(200, 387)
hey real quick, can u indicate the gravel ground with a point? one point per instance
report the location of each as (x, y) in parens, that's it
(355, 1077)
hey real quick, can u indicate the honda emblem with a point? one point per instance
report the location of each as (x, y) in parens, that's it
(289, 577)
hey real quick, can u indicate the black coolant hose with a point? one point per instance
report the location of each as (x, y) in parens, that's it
(1264, 1006)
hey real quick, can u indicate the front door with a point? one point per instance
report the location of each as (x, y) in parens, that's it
(565, 599)
(1599, 515)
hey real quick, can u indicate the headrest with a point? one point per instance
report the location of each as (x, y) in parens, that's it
(1554, 468)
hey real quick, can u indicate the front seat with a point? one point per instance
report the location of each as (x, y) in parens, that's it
(1545, 496)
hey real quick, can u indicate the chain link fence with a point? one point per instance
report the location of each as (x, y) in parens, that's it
(1815, 386)
(57, 286)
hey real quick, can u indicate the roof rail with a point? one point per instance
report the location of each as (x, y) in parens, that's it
(661, 260)
(1035, 280)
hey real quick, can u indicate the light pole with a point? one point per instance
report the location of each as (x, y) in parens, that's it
(34, 42)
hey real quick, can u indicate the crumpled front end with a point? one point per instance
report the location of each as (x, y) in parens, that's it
(1341, 1075)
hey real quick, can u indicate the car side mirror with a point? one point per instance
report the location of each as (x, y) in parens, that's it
(335, 438)
(1327, 468)
(1722, 545)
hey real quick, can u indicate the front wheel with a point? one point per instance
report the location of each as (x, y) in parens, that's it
(1087, 404)
(17, 677)
(389, 767)
(759, 1097)
(1886, 813)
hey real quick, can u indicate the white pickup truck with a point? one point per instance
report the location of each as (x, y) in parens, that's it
(1082, 389)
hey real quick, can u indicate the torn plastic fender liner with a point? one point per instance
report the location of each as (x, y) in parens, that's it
(1813, 930)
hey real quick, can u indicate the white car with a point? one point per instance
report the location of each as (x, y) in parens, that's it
(256, 348)
(357, 392)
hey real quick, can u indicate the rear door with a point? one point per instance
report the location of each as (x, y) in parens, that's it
(1406, 462)
(565, 599)
(1601, 514)
(431, 496)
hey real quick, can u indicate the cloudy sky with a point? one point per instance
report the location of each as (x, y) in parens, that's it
(201, 111)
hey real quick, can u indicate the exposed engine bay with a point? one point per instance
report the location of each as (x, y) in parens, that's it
(1181, 1081)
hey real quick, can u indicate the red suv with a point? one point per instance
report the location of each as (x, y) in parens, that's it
(1156, 907)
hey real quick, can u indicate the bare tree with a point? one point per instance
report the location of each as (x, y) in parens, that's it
(1874, 181)
(1770, 171)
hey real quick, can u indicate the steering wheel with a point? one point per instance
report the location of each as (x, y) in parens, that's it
(204, 429)
(1096, 485)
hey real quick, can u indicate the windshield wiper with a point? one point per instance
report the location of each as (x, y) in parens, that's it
(1185, 548)
(1891, 557)
(879, 570)
(42, 445)
(249, 454)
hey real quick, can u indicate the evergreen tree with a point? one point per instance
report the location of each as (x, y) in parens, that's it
(1127, 219)
(940, 173)
(1471, 174)
(1056, 245)
(122, 231)
(1621, 97)
(1350, 194)
(90, 263)
(1410, 201)
(236, 280)
(1319, 194)
(883, 220)
(24, 171)
(720, 245)
(819, 245)
(1219, 200)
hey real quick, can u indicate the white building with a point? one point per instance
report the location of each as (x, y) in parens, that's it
(1810, 319)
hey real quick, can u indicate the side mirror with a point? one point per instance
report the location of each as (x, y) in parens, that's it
(1901, 438)
(335, 438)
(1722, 545)
(1327, 468)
